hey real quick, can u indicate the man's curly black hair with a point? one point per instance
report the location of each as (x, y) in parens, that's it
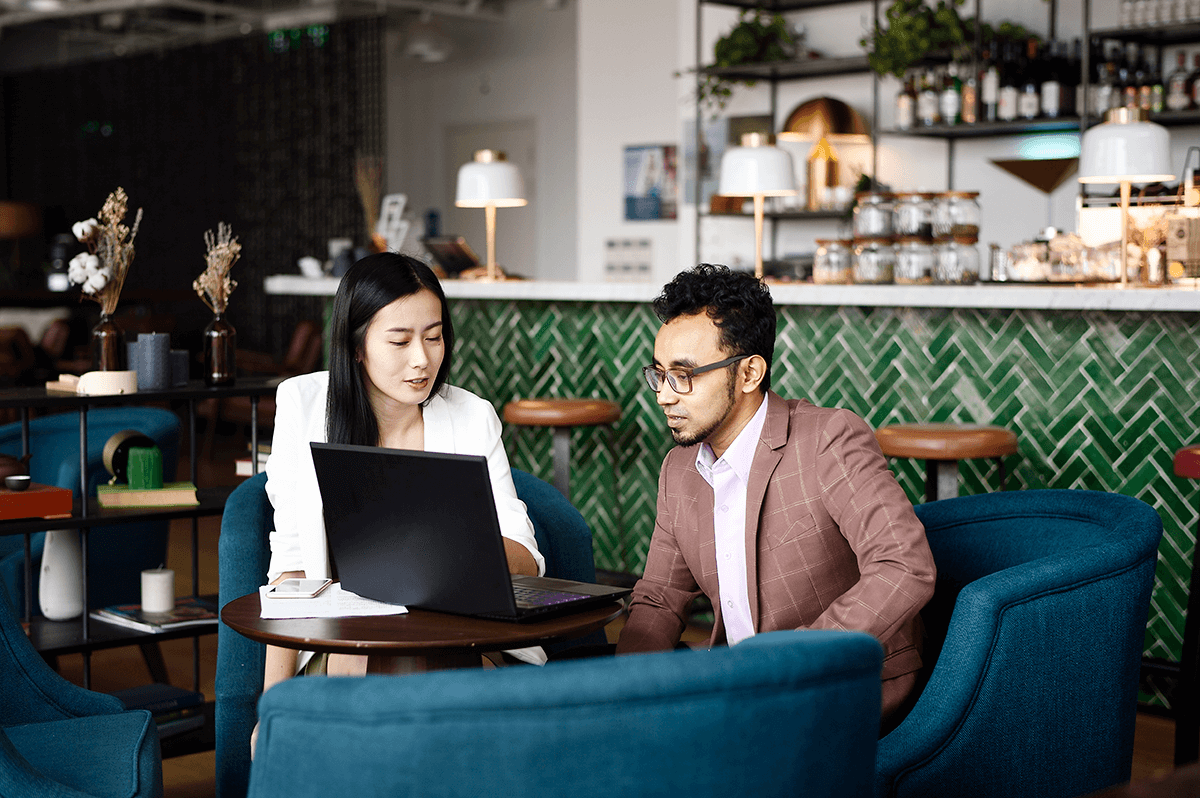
(738, 303)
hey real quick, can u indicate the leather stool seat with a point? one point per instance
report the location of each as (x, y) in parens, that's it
(561, 412)
(946, 443)
(562, 415)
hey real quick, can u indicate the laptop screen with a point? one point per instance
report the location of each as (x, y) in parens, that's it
(414, 528)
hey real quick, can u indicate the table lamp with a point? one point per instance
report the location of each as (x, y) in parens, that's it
(1125, 149)
(757, 169)
(489, 182)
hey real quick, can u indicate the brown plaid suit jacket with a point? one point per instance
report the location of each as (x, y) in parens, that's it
(832, 542)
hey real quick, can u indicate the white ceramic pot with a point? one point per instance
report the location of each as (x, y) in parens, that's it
(60, 592)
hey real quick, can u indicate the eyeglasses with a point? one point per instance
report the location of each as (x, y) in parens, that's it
(681, 379)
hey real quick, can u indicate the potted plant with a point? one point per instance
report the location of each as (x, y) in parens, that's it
(759, 37)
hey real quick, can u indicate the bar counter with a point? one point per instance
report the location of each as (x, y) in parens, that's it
(1100, 384)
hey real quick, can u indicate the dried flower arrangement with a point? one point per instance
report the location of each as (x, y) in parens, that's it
(222, 251)
(102, 269)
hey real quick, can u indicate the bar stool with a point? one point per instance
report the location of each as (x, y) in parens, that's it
(1185, 704)
(563, 415)
(941, 446)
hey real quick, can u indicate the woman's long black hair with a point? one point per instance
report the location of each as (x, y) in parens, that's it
(372, 283)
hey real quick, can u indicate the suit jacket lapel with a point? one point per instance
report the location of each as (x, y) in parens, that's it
(766, 457)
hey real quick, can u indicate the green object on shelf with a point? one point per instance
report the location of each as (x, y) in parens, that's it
(145, 468)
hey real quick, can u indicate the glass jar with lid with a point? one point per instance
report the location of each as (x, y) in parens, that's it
(914, 261)
(962, 212)
(873, 211)
(957, 261)
(833, 261)
(874, 260)
(914, 214)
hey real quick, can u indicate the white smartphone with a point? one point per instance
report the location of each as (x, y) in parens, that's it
(299, 588)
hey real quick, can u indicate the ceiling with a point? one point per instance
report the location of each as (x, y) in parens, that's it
(89, 29)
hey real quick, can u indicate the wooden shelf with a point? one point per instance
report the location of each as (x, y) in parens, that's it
(792, 70)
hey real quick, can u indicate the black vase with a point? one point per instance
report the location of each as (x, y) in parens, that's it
(220, 352)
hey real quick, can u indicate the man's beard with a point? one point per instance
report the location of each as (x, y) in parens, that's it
(690, 439)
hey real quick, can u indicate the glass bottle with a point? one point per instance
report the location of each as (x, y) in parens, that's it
(874, 260)
(927, 101)
(1194, 81)
(1009, 89)
(1153, 94)
(989, 84)
(950, 97)
(970, 94)
(906, 104)
(1052, 85)
(1029, 103)
(220, 352)
(1177, 98)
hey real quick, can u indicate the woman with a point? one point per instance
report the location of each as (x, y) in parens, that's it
(390, 351)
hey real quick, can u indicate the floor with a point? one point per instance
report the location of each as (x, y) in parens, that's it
(193, 776)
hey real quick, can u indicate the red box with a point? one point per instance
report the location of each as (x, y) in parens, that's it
(36, 501)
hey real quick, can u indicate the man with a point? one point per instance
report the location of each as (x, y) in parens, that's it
(784, 514)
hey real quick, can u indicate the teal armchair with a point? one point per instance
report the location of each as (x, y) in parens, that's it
(1035, 635)
(786, 714)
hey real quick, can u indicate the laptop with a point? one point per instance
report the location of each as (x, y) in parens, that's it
(420, 529)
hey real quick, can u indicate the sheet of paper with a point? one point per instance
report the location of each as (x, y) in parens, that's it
(333, 602)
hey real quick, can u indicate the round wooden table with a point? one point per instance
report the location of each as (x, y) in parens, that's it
(440, 639)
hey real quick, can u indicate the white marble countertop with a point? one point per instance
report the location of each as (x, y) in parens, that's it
(987, 295)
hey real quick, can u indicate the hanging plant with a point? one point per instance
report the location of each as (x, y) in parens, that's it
(758, 37)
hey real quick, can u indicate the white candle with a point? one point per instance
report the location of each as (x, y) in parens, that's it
(158, 590)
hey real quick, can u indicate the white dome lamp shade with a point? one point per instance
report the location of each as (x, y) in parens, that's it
(757, 169)
(489, 182)
(1125, 149)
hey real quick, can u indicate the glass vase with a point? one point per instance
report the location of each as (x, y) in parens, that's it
(107, 348)
(220, 352)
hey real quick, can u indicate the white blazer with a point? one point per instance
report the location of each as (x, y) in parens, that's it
(456, 422)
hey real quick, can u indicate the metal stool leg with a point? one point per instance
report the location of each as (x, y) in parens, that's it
(1003, 475)
(941, 479)
(562, 460)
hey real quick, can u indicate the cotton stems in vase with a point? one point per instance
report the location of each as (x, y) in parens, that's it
(214, 287)
(101, 272)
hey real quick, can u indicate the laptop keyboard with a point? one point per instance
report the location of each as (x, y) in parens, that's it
(539, 597)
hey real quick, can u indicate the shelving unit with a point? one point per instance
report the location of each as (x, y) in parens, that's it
(773, 74)
(85, 635)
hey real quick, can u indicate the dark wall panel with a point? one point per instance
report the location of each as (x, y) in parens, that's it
(237, 131)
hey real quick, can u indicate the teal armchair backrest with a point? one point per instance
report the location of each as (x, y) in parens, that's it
(1035, 636)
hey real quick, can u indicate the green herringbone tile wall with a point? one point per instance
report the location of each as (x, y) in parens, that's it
(1099, 401)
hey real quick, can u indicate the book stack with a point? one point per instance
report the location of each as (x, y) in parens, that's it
(243, 463)
(175, 710)
(171, 494)
(189, 611)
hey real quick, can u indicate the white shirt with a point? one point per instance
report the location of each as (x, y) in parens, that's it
(456, 422)
(729, 478)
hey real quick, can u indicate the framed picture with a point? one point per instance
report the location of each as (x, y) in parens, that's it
(392, 225)
(651, 190)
